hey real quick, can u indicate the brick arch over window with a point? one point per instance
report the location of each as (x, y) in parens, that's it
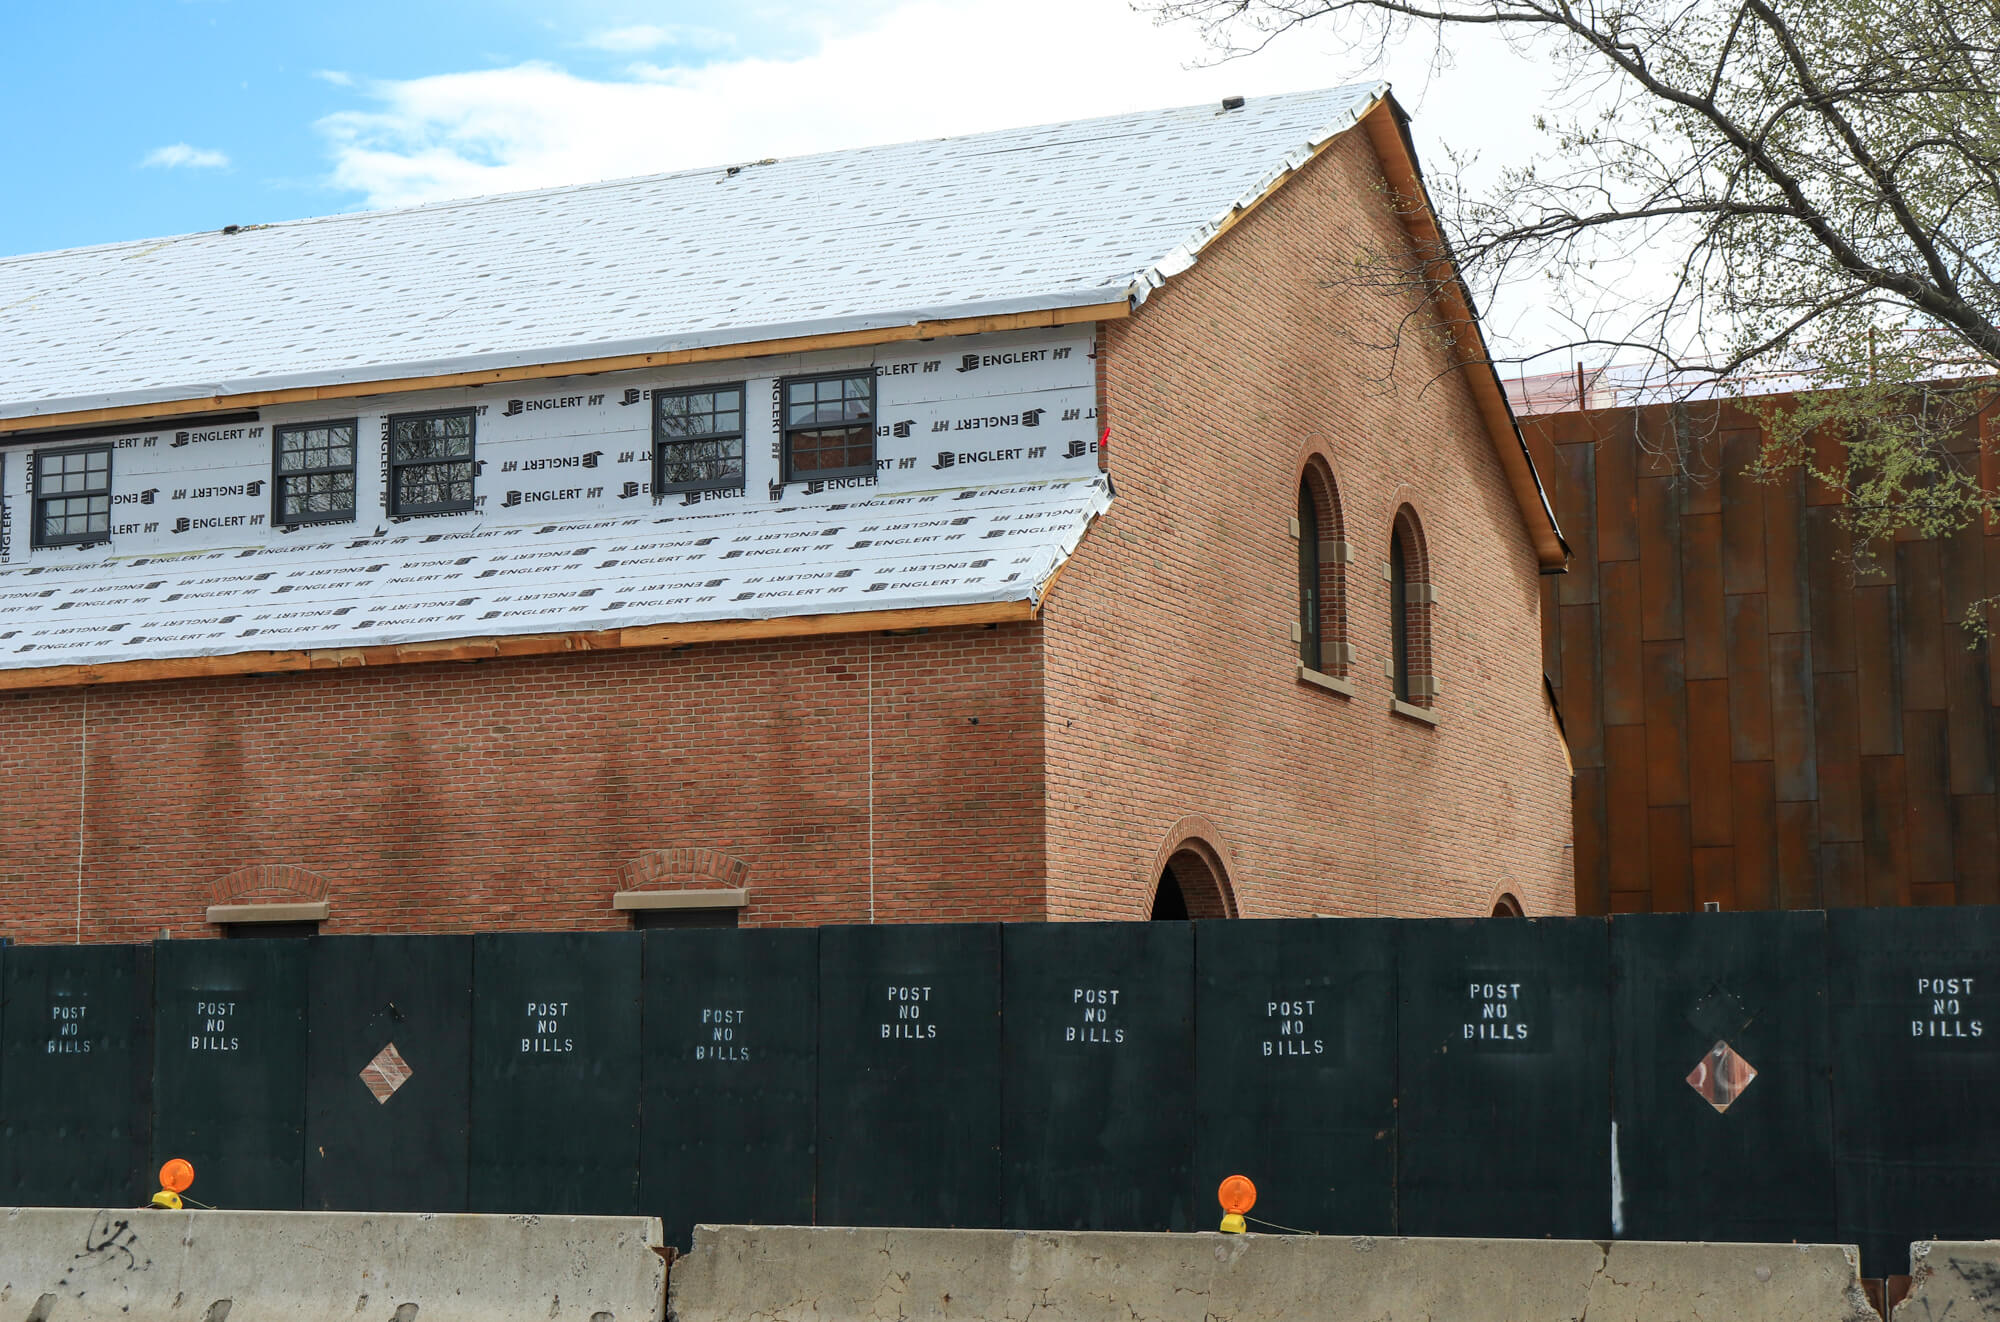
(1412, 598)
(268, 883)
(1323, 560)
(684, 869)
(1190, 876)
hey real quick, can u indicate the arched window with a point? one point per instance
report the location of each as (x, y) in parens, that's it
(1411, 599)
(1323, 558)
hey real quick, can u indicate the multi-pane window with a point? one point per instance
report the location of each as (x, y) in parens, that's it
(1411, 599)
(1309, 585)
(72, 496)
(1400, 621)
(1323, 558)
(829, 424)
(430, 463)
(312, 476)
(697, 439)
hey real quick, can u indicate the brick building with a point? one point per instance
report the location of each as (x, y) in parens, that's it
(1018, 526)
(1762, 714)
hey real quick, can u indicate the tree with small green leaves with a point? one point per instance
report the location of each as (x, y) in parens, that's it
(1756, 194)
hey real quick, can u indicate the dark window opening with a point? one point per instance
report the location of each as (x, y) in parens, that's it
(430, 463)
(73, 496)
(1169, 904)
(829, 426)
(1507, 907)
(313, 473)
(1399, 615)
(241, 931)
(697, 439)
(651, 918)
(1309, 586)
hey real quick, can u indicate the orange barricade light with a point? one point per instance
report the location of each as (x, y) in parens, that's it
(1237, 1196)
(175, 1177)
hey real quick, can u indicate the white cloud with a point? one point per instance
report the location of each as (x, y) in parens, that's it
(334, 76)
(913, 74)
(181, 155)
(925, 68)
(641, 37)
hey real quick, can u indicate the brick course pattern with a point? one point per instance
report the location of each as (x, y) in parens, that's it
(1172, 684)
(1010, 772)
(513, 793)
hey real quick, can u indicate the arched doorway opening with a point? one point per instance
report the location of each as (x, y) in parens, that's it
(1193, 884)
(1506, 906)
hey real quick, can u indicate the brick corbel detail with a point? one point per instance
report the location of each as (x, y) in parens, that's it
(684, 869)
(268, 883)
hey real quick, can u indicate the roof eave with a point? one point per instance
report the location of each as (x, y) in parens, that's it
(1045, 310)
(1388, 130)
(490, 648)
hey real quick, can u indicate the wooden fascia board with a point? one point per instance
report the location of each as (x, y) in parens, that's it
(541, 644)
(139, 414)
(1467, 341)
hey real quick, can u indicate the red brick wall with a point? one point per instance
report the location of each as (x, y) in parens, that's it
(509, 793)
(1172, 689)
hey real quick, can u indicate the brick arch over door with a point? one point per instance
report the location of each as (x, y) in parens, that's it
(1191, 874)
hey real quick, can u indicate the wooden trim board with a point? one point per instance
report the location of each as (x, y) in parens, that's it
(1399, 167)
(916, 330)
(541, 644)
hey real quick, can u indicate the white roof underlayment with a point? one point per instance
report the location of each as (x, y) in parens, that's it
(1064, 215)
(987, 444)
(882, 552)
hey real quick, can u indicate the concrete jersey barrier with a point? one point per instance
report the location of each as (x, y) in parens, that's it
(807, 1274)
(72, 1265)
(1958, 1280)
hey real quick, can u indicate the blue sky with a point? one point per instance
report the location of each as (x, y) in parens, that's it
(140, 118)
(99, 86)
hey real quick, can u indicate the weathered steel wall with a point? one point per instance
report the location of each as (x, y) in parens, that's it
(1758, 717)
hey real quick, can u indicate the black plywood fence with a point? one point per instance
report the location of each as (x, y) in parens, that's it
(1755, 1076)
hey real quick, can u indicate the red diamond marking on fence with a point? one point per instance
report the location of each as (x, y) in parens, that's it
(386, 1073)
(1721, 1076)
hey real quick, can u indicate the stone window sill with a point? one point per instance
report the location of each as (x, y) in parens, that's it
(312, 911)
(1331, 683)
(1410, 711)
(717, 897)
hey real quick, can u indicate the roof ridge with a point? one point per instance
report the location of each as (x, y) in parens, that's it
(154, 242)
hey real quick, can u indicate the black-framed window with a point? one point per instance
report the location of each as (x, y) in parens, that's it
(72, 495)
(1309, 584)
(697, 439)
(430, 462)
(829, 426)
(312, 472)
(1399, 617)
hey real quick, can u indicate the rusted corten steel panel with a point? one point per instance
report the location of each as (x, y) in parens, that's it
(1758, 718)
